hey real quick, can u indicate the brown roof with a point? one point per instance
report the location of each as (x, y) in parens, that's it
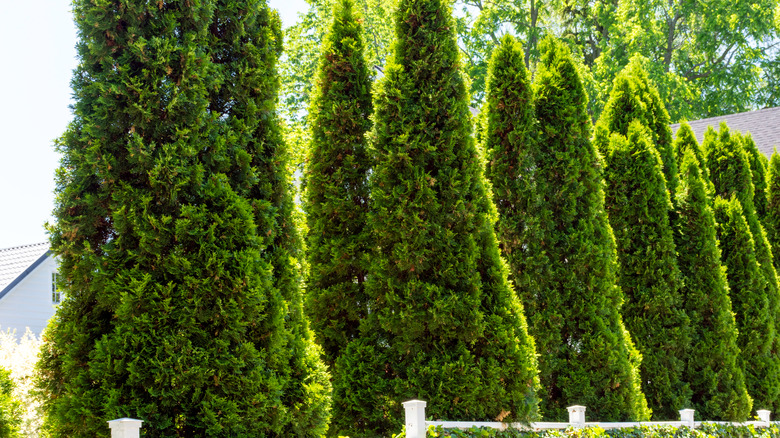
(763, 125)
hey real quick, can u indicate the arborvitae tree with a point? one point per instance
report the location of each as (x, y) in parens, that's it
(509, 140)
(444, 324)
(758, 169)
(686, 141)
(772, 217)
(750, 302)
(731, 176)
(175, 232)
(337, 186)
(10, 408)
(586, 355)
(638, 206)
(713, 369)
(634, 97)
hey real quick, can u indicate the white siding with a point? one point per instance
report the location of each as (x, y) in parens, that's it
(29, 304)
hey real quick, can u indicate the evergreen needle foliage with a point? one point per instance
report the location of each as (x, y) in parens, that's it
(444, 324)
(772, 218)
(510, 140)
(712, 368)
(758, 169)
(731, 176)
(10, 408)
(638, 206)
(337, 186)
(749, 299)
(686, 141)
(176, 233)
(586, 355)
(634, 97)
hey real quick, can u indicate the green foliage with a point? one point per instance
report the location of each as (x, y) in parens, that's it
(712, 369)
(445, 325)
(10, 408)
(176, 233)
(729, 166)
(772, 218)
(707, 430)
(686, 141)
(510, 143)
(634, 97)
(570, 290)
(751, 305)
(758, 169)
(336, 198)
(638, 206)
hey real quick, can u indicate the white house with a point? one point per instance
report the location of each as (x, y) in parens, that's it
(28, 295)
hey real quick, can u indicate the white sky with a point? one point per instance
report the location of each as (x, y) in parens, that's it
(37, 57)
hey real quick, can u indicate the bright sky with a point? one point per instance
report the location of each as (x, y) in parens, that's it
(37, 57)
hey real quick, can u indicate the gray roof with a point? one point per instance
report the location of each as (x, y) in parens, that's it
(763, 125)
(17, 262)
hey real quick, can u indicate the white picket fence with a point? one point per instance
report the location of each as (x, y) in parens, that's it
(416, 426)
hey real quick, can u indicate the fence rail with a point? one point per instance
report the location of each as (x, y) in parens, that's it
(416, 426)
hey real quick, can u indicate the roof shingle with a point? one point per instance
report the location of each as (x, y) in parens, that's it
(14, 261)
(763, 125)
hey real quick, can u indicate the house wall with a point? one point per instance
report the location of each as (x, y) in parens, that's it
(29, 303)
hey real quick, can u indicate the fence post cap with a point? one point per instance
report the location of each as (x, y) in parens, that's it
(576, 408)
(414, 404)
(128, 421)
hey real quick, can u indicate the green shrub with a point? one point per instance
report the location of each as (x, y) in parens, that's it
(704, 431)
(638, 206)
(772, 217)
(10, 408)
(444, 325)
(712, 366)
(571, 293)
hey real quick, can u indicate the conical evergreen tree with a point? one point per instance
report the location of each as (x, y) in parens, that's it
(509, 140)
(634, 97)
(713, 369)
(686, 141)
(176, 234)
(772, 218)
(750, 302)
(586, 355)
(758, 169)
(337, 186)
(638, 206)
(444, 323)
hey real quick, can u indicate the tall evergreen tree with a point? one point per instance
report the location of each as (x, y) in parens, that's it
(772, 218)
(758, 169)
(337, 186)
(444, 324)
(586, 354)
(509, 140)
(638, 206)
(634, 97)
(713, 368)
(175, 232)
(686, 141)
(750, 301)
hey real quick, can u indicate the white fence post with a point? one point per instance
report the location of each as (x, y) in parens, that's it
(577, 416)
(415, 418)
(125, 428)
(686, 418)
(764, 415)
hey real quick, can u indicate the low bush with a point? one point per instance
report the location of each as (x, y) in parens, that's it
(705, 431)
